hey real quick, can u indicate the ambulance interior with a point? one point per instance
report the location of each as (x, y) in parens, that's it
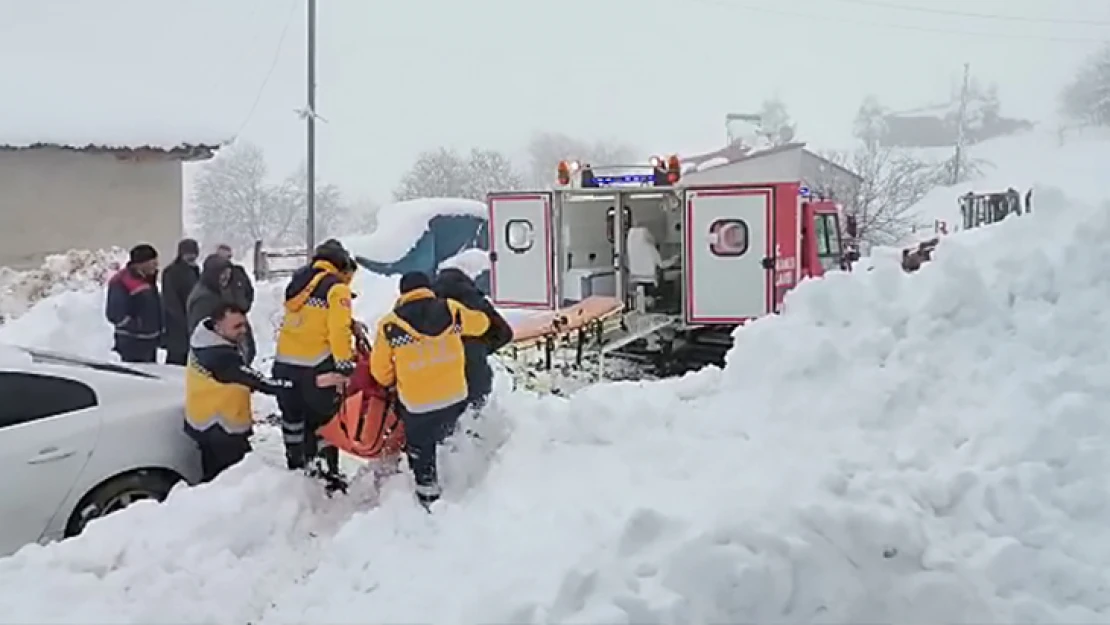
(653, 238)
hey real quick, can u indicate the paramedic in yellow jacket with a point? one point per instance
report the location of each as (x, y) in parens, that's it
(419, 350)
(218, 386)
(315, 349)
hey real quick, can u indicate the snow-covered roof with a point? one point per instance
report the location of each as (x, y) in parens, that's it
(122, 75)
(401, 224)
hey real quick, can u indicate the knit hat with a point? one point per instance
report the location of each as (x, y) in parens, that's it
(188, 246)
(415, 280)
(142, 253)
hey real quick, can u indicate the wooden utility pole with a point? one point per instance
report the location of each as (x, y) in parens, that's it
(310, 118)
(961, 123)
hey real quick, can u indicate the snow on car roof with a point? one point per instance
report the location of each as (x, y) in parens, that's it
(46, 357)
(129, 74)
(401, 224)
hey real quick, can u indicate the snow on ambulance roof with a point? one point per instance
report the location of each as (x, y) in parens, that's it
(128, 74)
(401, 224)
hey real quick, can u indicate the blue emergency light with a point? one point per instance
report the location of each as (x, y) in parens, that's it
(625, 180)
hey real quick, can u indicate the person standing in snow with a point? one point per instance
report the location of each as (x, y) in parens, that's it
(316, 352)
(178, 280)
(240, 291)
(218, 387)
(134, 307)
(454, 284)
(419, 350)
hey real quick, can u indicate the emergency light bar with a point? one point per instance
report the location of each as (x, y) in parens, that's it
(627, 180)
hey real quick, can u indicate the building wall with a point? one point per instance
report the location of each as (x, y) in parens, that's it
(820, 176)
(54, 200)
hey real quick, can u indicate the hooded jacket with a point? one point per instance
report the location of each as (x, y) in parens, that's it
(454, 284)
(207, 295)
(418, 348)
(218, 384)
(316, 328)
(178, 280)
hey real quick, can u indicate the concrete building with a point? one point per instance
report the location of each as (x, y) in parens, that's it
(54, 198)
(786, 163)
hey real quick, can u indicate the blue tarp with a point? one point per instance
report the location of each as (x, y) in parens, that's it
(446, 236)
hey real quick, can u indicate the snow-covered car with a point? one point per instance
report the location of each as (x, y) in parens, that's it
(80, 439)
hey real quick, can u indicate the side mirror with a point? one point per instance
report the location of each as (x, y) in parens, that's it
(851, 227)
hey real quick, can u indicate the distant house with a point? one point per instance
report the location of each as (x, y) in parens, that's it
(786, 163)
(55, 197)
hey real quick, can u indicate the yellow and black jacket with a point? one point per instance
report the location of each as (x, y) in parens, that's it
(316, 330)
(218, 384)
(419, 349)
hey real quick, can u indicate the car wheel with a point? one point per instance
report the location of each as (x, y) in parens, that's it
(118, 493)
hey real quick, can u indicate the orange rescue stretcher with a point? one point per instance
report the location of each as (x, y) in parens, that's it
(367, 426)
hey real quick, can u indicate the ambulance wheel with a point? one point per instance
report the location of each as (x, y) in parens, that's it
(117, 493)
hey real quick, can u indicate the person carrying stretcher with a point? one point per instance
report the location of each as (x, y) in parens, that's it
(418, 349)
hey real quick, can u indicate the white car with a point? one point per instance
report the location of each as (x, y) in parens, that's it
(80, 439)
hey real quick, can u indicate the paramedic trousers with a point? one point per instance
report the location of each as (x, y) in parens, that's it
(220, 450)
(304, 409)
(134, 349)
(424, 433)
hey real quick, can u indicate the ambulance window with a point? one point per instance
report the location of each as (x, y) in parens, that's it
(828, 235)
(728, 237)
(519, 235)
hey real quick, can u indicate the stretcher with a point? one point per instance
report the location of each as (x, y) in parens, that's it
(366, 425)
(593, 313)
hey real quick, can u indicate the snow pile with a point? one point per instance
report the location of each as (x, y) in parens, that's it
(893, 448)
(401, 224)
(76, 270)
(1074, 163)
(473, 262)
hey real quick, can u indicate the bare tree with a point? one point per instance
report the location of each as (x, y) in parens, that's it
(446, 173)
(870, 123)
(332, 213)
(233, 200)
(893, 182)
(436, 173)
(775, 123)
(237, 204)
(545, 150)
(1087, 98)
(489, 170)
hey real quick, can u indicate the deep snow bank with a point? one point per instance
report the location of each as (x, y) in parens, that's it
(895, 448)
(76, 270)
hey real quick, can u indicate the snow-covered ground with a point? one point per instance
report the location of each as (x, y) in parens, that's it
(924, 447)
(1074, 162)
(909, 448)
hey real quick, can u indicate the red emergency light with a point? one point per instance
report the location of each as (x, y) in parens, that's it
(674, 169)
(564, 173)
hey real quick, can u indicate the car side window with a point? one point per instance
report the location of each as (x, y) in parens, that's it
(32, 396)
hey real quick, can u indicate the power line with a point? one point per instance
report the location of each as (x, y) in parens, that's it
(986, 16)
(273, 66)
(941, 31)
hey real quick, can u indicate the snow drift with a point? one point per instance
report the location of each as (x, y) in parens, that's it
(401, 224)
(893, 448)
(76, 270)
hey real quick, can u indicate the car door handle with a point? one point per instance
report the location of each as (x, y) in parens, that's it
(50, 454)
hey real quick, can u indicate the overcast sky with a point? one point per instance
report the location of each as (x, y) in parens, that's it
(399, 77)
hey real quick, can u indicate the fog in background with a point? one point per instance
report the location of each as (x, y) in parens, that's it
(396, 78)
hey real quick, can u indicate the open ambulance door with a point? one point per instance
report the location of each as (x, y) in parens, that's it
(728, 240)
(521, 246)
